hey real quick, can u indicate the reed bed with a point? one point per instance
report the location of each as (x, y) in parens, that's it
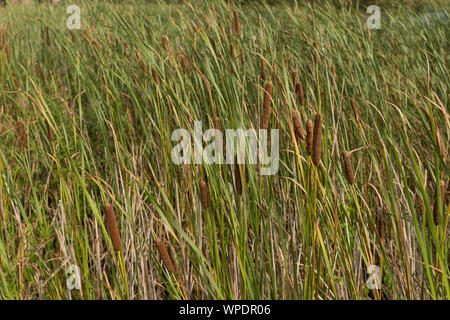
(87, 118)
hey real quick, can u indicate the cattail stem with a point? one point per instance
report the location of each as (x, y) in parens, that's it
(164, 253)
(113, 229)
(348, 167)
(317, 140)
(266, 105)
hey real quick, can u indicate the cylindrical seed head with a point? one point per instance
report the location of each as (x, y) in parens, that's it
(113, 229)
(317, 140)
(155, 75)
(354, 108)
(164, 253)
(309, 136)
(204, 194)
(348, 167)
(299, 131)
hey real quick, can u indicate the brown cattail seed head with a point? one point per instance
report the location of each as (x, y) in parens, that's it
(204, 194)
(354, 108)
(155, 75)
(317, 140)
(165, 255)
(38, 71)
(263, 72)
(380, 222)
(316, 53)
(299, 91)
(238, 176)
(113, 229)
(217, 123)
(22, 134)
(266, 105)
(299, 131)
(348, 167)
(236, 22)
(233, 56)
(309, 136)
(47, 36)
(435, 204)
(165, 42)
(49, 131)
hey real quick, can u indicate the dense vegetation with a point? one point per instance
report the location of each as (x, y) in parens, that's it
(86, 118)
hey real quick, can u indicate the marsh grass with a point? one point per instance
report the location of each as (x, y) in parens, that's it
(94, 127)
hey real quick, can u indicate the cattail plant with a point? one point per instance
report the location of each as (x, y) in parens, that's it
(217, 123)
(263, 71)
(164, 253)
(37, 69)
(22, 134)
(233, 56)
(299, 131)
(317, 140)
(49, 131)
(309, 136)
(155, 75)
(217, 126)
(266, 105)
(236, 22)
(355, 109)
(238, 176)
(47, 37)
(348, 167)
(204, 194)
(436, 201)
(300, 94)
(113, 229)
(165, 42)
